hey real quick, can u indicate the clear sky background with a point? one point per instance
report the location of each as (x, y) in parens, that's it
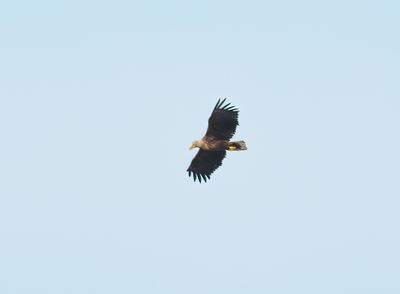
(99, 101)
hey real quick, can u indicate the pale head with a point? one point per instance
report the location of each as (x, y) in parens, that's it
(194, 145)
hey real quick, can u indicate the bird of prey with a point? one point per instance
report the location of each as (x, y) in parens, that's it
(213, 146)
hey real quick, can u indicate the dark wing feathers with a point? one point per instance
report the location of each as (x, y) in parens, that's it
(205, 163)
(223, 121)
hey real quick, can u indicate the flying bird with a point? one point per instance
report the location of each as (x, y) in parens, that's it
(213, 146)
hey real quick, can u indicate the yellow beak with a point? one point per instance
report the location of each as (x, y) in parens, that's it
(191, 146)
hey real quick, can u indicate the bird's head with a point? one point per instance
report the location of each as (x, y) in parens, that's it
(193, 145)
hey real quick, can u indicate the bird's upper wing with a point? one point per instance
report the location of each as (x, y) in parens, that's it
(223, 121)
(205, 163)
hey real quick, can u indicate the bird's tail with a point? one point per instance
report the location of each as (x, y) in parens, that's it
(236, 146)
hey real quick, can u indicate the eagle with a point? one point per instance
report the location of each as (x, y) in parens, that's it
(213, 146)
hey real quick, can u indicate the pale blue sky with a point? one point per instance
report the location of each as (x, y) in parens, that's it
(100, 99)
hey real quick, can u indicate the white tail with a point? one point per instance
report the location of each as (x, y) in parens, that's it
(236, 146)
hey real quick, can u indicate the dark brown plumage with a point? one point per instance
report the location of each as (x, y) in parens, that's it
(213, 146)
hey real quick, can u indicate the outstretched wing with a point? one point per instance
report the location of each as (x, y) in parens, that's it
(223, 121)
(205, 163)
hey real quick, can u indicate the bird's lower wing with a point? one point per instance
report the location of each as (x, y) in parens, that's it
(205, 163)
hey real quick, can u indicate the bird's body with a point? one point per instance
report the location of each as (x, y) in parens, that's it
(213, 146)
